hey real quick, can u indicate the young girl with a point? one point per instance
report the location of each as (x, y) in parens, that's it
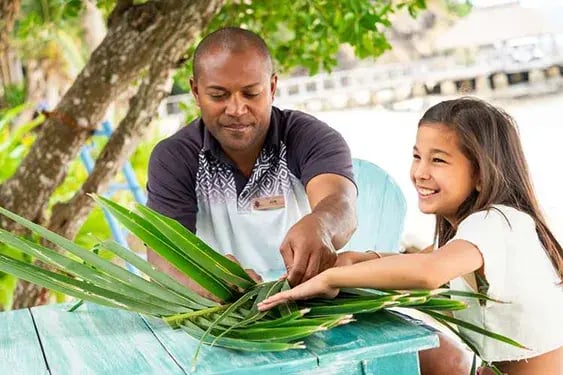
(469, 170)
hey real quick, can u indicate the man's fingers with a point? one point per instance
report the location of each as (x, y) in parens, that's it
(297, 270)
(328, 261)
(253, 275)
(313, 267)
(232, 257)
(287, 254)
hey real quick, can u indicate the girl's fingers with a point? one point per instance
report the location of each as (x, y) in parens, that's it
(273, 301)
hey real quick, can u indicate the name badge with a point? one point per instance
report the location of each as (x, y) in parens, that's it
(269, 203)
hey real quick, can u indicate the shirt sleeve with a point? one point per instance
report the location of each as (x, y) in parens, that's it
(488, 231)
(171, 184)
(316, 148)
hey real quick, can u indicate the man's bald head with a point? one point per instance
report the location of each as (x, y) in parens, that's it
(234, 40)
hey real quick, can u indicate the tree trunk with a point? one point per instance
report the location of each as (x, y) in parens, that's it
(154, 32)
(9, 9)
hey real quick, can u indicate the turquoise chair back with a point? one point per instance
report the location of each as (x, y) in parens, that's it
(380, 208)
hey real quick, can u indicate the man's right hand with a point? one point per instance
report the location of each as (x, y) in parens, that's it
(307, 250)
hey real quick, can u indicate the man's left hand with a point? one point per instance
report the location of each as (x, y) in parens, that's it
(307, 250)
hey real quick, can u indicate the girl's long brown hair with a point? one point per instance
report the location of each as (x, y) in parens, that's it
(489, 139)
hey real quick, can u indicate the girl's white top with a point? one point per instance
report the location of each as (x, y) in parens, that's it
(518, 271)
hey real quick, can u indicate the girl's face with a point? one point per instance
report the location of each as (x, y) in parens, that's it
(442, 175)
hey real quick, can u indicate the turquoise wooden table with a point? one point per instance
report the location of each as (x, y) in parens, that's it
(100, 340)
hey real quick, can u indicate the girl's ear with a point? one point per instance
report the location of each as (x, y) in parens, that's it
(478, 183)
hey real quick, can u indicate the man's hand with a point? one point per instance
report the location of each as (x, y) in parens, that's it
(253, 275)
(307, 250)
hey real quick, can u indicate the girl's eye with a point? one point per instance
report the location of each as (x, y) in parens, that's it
(416, 156)
(438, 160)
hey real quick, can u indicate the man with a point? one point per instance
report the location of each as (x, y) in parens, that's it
(273, 188)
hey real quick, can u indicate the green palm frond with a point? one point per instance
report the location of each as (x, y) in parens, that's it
(236, 324)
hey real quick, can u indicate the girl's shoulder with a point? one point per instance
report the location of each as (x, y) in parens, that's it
(500, 217)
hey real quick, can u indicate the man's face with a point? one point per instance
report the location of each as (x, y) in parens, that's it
(235, 92)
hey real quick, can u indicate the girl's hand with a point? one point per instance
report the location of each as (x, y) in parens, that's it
(318, 286)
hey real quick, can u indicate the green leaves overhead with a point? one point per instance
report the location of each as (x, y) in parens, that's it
(303, 33)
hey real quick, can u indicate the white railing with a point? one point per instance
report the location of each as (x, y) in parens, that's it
(361, 84)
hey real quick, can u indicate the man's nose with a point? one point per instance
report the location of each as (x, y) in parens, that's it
(236, 106)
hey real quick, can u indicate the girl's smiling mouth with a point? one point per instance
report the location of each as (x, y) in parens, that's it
(425, 192)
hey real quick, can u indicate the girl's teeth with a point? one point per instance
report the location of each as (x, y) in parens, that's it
(426, 191)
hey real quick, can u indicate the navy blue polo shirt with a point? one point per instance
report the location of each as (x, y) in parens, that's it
(193, 181)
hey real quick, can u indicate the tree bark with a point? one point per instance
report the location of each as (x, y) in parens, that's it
(9, 10)
(154, 32)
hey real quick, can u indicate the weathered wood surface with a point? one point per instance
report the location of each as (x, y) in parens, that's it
(20, 350)
(100, 340)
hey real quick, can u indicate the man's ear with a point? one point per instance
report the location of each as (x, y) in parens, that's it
(194, 88)
(273, 85)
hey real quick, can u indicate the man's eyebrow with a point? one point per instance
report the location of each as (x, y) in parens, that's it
(251, 85)
(214, 87)
(217, 87)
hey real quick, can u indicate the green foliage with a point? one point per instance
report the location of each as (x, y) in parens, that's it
(309, 33)
(57, 12)
(14, 95)
(460, 8)
(14, 144)
(105, 6)
(50, 29)
(8, 282)
(140, 158)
